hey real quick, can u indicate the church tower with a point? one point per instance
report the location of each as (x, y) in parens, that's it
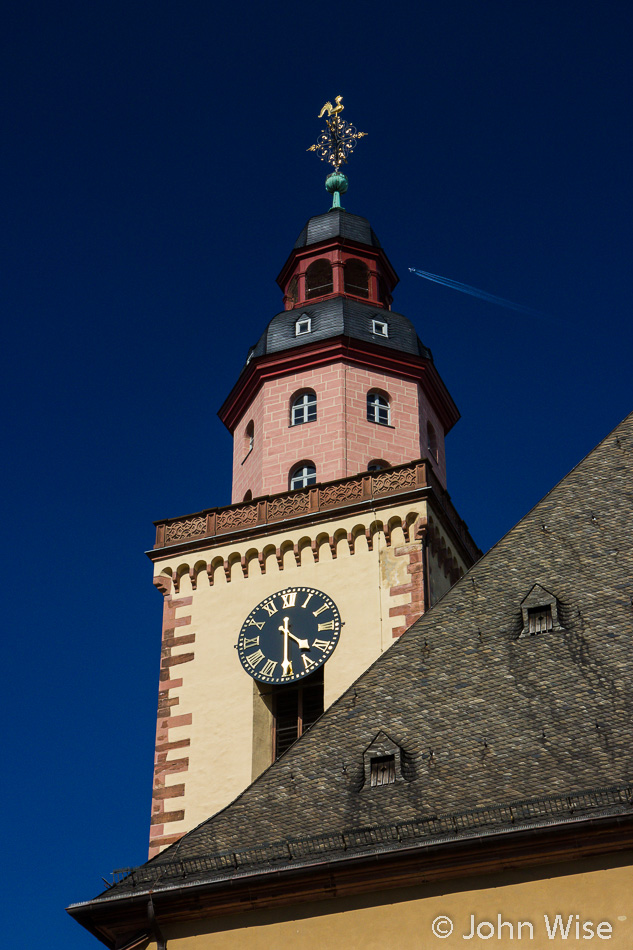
(340, 533)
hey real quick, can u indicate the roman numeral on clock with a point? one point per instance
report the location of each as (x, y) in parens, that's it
(268, 669)
(255, 658)
(288, 598)
(252, 642)
(327, 625)
(316, 613)
(321, 645)
(270, 608)
(253, 623)
(307, 662)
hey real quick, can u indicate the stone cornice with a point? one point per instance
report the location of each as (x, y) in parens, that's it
(357, 493)
(313, 355)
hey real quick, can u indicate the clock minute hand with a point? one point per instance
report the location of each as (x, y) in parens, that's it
(286, 664)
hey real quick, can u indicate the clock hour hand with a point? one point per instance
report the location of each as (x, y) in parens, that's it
(303, 644)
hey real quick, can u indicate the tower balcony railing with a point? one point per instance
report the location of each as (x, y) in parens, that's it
(353, 491)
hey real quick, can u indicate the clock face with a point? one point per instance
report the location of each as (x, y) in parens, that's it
(289, 635)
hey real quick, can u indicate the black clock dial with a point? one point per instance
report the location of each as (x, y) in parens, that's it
(289, 635)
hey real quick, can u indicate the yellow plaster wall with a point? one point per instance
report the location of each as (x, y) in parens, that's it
(219, 693)
(403, 919)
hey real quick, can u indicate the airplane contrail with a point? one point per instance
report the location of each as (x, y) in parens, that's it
(476, 292)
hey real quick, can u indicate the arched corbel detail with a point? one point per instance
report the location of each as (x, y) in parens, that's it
(181, 570)
(332, 545)
(297, 553)
(250, 557)
(163, 583)
(315, 551)
(420, 528)
(279, 557)
(198, 568)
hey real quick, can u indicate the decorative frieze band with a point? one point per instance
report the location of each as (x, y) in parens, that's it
(297, 504)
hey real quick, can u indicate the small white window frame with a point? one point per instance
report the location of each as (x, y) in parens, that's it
(302, 476)
(380, 328)
(303, 408)
(303, 326)
(378, 409)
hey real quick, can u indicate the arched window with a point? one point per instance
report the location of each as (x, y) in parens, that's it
(249, 437)
(431, 441)
(356, 278)
(303, 408)
(292, 292)
(377, 465)
(378, 409)
(319, 278)
(302, 475)
(248, 496)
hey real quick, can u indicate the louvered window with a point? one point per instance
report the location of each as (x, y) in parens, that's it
(295, 709)
(383, 770)
(539, 620)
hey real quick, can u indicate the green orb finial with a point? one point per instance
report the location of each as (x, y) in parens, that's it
(336, 184)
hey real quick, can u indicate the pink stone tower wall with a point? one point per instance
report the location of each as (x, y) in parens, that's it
(342, 441)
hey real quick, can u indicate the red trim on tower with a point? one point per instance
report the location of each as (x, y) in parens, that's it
(304, 255)
(312, 355)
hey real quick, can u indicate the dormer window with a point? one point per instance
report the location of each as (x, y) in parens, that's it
(303, 325)
(379, 328)
(540, 613)
(384, 763)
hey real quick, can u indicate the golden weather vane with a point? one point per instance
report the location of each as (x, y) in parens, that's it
(338, 139)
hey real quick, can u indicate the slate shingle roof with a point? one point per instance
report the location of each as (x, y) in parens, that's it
(483, 716)
(337, 223)
(339, 316)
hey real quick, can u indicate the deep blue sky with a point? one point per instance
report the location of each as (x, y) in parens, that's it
(155, 177)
